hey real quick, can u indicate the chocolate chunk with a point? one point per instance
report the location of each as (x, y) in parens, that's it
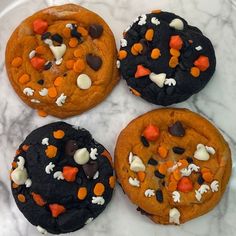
(177, 129)
(93, 61)
(159, 195)
(90, 169)
(46, 35)
(159, 175)
(178, 150)
(190, 160)
(71, 147)
(200, 180)
(47, 65)
(144, 141)
(41, 81)
(152, 162)
(95, 31)
(57, 38)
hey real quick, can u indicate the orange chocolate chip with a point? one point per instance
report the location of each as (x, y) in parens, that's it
(42, 113)
(170, 164)
(162, 168)
(82, 31)
(176, 42)
(135, 92)
(73, 42)
(51, 151)
(184, 163)
(58, 81)
(149, 34)
(174, 52)
(24, 79)
(141, 176)
(208, 177)
(25, 147)
(41, 49)
(141, 71)
(70, 64)
(202, 63)
(122, 54)
(38, 199)
(52, 92)
(78, 53)
(59, 134)
(18, 152)
(133, 51)
(156, 11)
(204, 170)
(14, 165)
(82, 193)
(69, 173)
(174, 61)
(138, 47)
(66, 32)
(155, 54)
(99, 189)
(195, 72)
(112, 181)
(56, 209)
(79, 66)
(15, 186)
(162, 151)
(177, 175)
(21, 198)
(17, 62)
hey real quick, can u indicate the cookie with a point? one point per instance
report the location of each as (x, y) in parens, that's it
(61, 178)
(173, 164)
(165, 60)
(62, 60)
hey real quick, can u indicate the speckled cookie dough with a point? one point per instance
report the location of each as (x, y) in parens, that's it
(62, 60)
(165, 60)
(61, 178)
(173, 164)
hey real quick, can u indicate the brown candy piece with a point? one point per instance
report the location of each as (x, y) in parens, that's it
(70, 147)
(177, 129)
(90, 169)
(95, 31)
(94, 61)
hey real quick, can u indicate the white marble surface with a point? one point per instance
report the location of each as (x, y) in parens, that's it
(217, 19)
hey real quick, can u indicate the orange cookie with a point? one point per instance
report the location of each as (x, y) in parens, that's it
(173, 164)
(62, 60)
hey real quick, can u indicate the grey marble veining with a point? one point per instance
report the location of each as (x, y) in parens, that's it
(217, 19)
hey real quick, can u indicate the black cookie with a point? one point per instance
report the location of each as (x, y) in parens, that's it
(61, 178)
(164, 60)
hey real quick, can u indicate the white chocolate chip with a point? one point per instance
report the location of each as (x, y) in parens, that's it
(174, 216)
(149, 193)
(81, 156)
(32, 54)
(28, 183)
(201, 153)
(61, 100)
(134, 182)
(215, 186)
(28, 91)
(158, 79)
(43, 92)
(49, 168)
(177, 24)
(41, 230)
(176, 196)
(19, 176)
(155, 21)
(137, 164)
(198, 48)
(98, 200)
(84, 82)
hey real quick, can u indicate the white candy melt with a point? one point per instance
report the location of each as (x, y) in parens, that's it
(98, 200)
(28, 92)
(177, 24)
(81, 156)
(61, 100)
(176, 196)
(155, 21)
(201, 153)
(49, 168)
(174, 216)
(149, 193)
(158, 79)
(215, 186)
(137, 164)
(84, 82)
(134, 182)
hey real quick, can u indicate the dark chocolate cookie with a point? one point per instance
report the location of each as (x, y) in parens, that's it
(61, 178)
(164, 60)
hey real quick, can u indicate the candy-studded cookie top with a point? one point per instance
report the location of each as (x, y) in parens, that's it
(61, 178)
(62, 60)
(164, 60)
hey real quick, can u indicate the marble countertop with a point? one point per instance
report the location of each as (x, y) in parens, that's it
(217, 19)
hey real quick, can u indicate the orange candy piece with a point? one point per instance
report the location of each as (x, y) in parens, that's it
(99, 189)
(70, 64)
(185, 185)
(162, 151)
(24, 79)
(21, 198)
(162, 168)
(69, 173)
(122, 54)
(38, 199)
(141, 176)
(176, 42)
(82, 193)
(202, 63)
(136, 49)
(151, 132)
(174, 61)
(149, 34)
(37, 62)
(52, 92)
(59, 134)
(51, 151)
(17, 62)
(40, 26)
(58, 81)
(208, 177)
(174, 52)
(195, 72)
(141, 71)
(82, 31)
(155, 54)
(56, 209)
(79, 66)
(66, 32)
(78, 53)
(73, 42)
(112, 181)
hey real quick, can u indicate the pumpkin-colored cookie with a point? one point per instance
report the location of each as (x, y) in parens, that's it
(184, 160)
(62, 60)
